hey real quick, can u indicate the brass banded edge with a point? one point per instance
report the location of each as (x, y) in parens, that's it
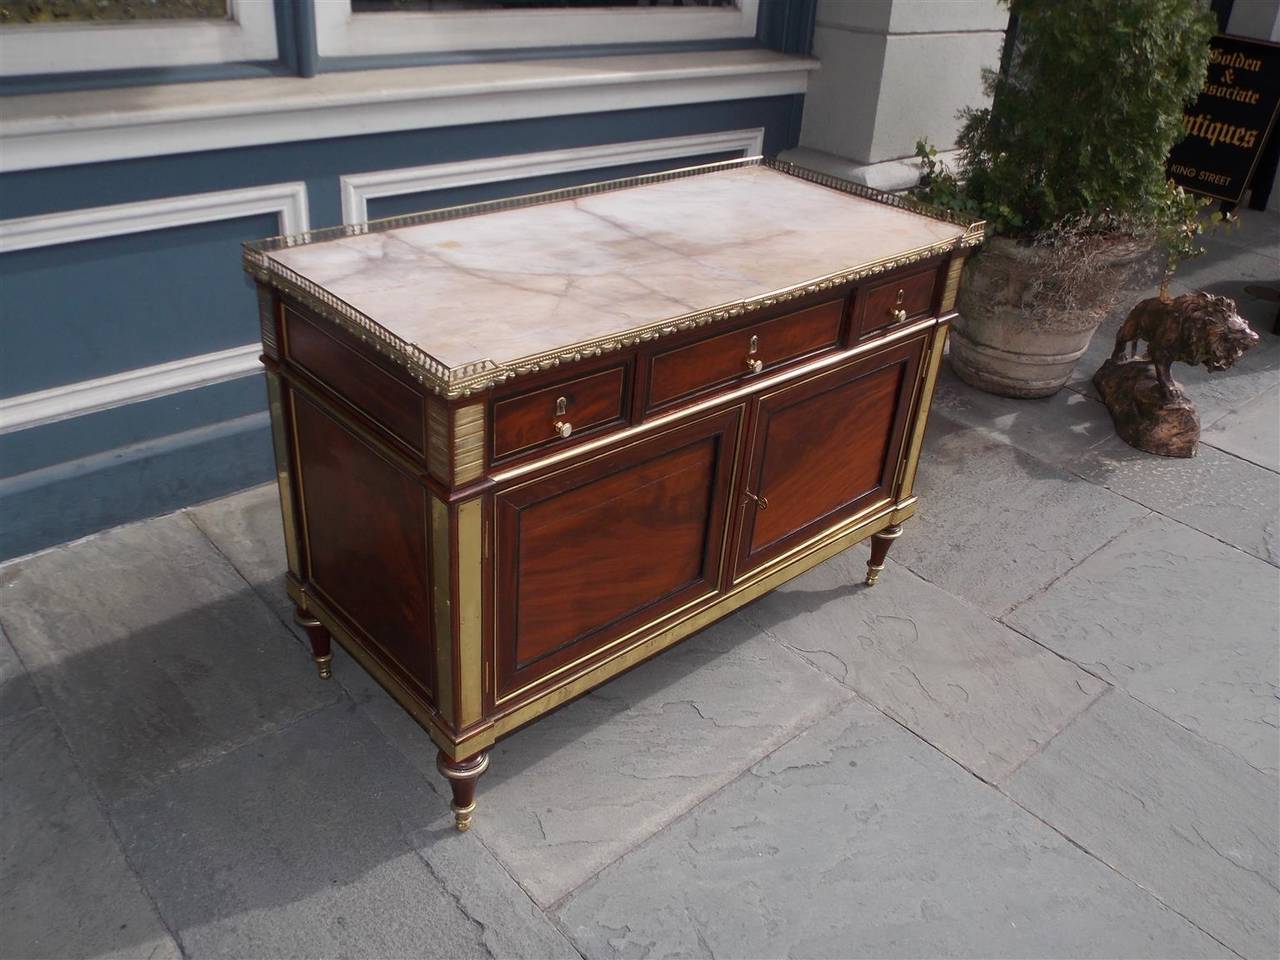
(482, 375)
(470, 611)
(284, 476)
(441, 608)
(912, 459)
(952, 286)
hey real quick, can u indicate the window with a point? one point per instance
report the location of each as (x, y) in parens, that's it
(66, 36)
(372, 27)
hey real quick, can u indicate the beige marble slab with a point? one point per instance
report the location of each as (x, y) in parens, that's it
(516, 283)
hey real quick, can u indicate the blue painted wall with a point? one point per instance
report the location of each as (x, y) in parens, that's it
(78, 311)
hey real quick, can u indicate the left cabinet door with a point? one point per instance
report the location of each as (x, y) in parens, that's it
(603, 553)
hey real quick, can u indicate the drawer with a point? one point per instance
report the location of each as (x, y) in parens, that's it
(679, 373)
(384, 398)
(890, 302)
(552, 414)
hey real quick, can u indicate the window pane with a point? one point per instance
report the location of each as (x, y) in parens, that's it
(442, 6)
(73, 11)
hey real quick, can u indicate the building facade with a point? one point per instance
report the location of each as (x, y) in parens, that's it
(136, 157)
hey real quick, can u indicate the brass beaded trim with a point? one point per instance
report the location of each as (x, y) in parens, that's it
(480, 375)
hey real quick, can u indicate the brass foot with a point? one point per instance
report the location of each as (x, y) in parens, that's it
(462, 816)
(319, 639)
(880, 544)
(462, 776)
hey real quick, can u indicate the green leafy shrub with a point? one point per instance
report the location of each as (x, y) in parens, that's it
(1080, 126)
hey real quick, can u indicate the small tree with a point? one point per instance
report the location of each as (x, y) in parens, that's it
(1081, 123)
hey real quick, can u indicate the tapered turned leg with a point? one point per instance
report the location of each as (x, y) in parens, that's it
(880, 544)
(462, 776)
(320, 640)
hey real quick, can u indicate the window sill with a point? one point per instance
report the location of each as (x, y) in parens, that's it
(60, 129)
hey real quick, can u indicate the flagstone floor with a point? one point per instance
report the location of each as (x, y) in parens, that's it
(1051, 731)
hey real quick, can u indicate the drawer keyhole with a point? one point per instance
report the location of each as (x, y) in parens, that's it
(753, 365)
(563, 428)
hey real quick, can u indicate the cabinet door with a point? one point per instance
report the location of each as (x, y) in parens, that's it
(824, 449)
(599, 552)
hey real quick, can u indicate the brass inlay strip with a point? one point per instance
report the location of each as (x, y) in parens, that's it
(284, 480)
(480, 375)
(470, 611)
(468, 443)
(438, 440)
(441, 609)
(934, 361)
(953, 285)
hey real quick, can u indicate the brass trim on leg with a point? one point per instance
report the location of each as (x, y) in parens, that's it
(325, 666)
(933, 362)
(284, 480)
(441, 606)
(470, 612)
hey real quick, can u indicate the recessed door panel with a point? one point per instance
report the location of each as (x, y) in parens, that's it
(824, 449)
(597, 551)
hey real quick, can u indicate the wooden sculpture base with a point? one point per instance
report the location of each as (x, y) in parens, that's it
(1143, 415)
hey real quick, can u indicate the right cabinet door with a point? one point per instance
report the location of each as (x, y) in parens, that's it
(824, 449)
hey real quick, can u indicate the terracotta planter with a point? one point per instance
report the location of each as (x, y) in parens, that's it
(1012, 340)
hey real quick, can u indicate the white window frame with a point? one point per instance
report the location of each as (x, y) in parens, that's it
(340, 33)
(249, 33)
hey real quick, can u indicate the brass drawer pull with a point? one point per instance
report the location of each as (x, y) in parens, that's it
(898, 315)
(762, 503)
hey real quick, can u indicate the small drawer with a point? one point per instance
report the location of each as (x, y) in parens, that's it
(684, 371)
(555, 413)
(895, 301)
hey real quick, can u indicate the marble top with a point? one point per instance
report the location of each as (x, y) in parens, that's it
(517, 283)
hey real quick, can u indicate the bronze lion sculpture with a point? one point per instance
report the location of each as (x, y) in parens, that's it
(1193, 328)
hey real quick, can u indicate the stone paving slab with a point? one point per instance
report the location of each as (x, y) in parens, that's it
(17, 692)
(1184, 623)
(66, 889)
(152, 652)
(1223, 496)
(570, 793)
(1010, 528)
(1249, 432)
(1187, 821)
(976, 690)
(858, 840)
(246, 529)
(302, 844)
(1056, 430)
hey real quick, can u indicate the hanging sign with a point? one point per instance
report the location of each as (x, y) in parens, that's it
(1230, 120)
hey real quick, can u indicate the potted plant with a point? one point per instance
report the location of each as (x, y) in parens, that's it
(1067, 166)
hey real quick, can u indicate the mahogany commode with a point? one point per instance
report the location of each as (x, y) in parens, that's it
(524, 445)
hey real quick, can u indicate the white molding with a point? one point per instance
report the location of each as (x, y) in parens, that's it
(339, 33)
(358, 188)
(287, 200)
(132, 386)
(249, 33)
(57, 129)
